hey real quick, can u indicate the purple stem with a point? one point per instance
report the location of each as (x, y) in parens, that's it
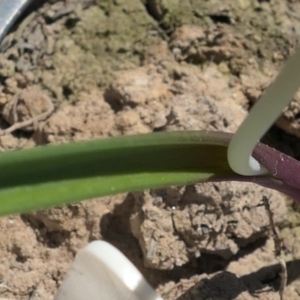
(284, 171)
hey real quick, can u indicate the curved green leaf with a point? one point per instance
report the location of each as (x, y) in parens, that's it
(54, 175)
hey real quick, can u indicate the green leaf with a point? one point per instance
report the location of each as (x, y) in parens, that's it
(54, 175)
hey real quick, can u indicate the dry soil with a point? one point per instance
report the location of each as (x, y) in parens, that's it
(81, 69)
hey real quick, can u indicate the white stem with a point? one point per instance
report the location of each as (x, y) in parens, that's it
(100, 271)
(261, 117)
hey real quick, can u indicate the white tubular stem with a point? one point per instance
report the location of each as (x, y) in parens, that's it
(101, 271)
(261, 117)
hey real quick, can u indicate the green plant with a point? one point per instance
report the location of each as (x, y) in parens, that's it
(55, 175)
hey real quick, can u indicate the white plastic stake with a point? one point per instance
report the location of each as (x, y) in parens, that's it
(100, 271)
(261, 117)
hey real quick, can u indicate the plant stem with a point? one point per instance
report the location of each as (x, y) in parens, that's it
(261, 117)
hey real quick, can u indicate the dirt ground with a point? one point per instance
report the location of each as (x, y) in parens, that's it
(81, 69)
